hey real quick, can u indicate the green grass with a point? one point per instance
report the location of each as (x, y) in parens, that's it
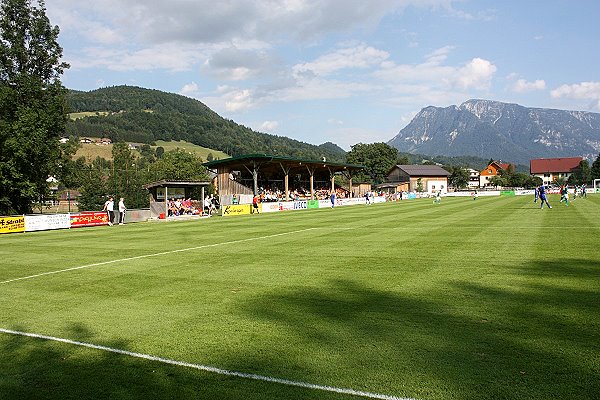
(186, 146)
(85, 114)
(91, 150)
(486, 299)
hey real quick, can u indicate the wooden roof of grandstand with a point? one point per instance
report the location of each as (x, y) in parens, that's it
(165, 183)
(266, 161)
(547, 165)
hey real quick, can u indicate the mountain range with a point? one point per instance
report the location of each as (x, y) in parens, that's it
(492, 129)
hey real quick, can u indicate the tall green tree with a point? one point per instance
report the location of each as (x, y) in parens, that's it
(595, 170)
(32, 103)
(581, 175)
(93, 189)
(378, 158)
(179, 165)
(459, 176)
(126, 178)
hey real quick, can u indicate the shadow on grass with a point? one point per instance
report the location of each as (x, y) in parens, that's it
(34, 368)
(534, 341)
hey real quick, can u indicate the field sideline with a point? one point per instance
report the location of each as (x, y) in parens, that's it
(485, 299)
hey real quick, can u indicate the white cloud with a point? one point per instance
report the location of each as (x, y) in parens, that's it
(140, 28)
(522, 86)
(190, 90)
(269, 126)
(439, 55)
(157, 57)
(208, 21)
(239, 100)
(356, 57)
(232, 63)
(477, 74)
(581, 91)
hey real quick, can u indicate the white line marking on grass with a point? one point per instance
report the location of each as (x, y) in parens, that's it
(162, 253)
(214, 370)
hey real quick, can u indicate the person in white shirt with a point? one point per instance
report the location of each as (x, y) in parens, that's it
(122, 209)
(109, 207)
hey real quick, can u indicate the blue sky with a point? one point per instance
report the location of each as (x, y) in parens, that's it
(345, 71)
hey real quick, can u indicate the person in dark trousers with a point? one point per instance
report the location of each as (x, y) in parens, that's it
(543, 198)
(109, 207)
(255, 205)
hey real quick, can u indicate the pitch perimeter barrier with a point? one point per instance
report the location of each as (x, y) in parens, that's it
(136, 215)
(237, 209)
(12, 224)
(269, 207)
(313, 204)
(89, 218)
(47, 222)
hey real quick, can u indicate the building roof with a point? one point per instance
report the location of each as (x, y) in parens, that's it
(423, 170)
(548, 165)
(275, 163)
(497, 165)
(165, 183)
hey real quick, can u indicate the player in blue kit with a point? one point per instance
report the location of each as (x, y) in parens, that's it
(543, 198)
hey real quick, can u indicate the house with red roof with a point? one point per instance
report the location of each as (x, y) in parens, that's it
(493, 169)
(551, 169)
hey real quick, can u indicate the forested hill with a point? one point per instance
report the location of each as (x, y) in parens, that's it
(141, 115)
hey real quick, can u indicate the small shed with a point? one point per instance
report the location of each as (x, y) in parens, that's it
(161, 191)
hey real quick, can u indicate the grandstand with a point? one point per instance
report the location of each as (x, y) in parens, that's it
(246, 174)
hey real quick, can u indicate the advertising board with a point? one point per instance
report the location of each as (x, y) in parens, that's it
(286, 205)
(47, 222)
(269, 207)
(12, 224)
(237, 209)
(89, 218)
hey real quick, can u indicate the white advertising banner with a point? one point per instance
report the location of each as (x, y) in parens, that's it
(46, 222)
(353, 201)
(268, 207)
(324, 203)
(286, 205)
(300, 205)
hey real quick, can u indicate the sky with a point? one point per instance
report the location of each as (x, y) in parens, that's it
(341, 71)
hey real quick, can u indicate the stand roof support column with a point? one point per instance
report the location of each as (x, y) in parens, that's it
(254, 172)
(311, 171)
(286, 172)
(348, 175)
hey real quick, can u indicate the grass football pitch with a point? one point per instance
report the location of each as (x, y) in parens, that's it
(485, 299)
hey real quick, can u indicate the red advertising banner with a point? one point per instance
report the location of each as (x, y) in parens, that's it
(89, 218)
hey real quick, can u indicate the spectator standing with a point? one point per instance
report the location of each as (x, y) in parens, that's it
(122, 209)
(109, 207)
